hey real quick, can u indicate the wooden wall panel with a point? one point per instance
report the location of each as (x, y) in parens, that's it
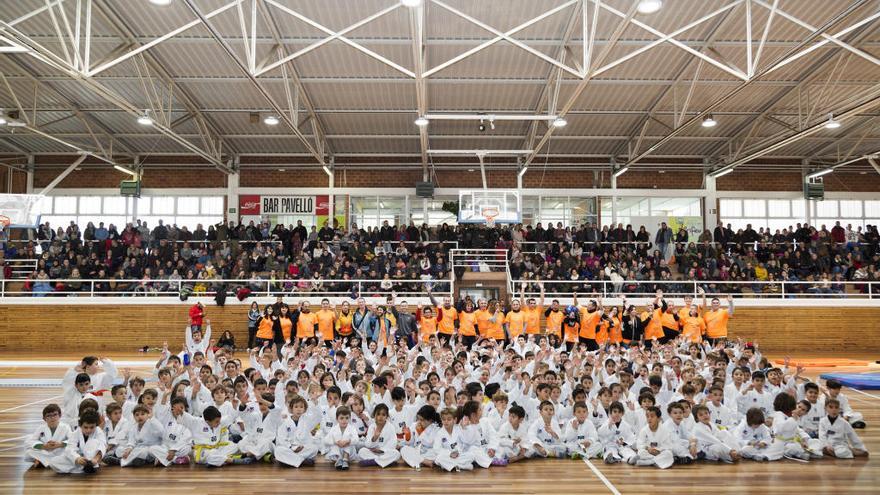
(92, 329)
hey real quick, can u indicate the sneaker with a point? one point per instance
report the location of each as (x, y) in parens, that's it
(727, 461)
(610, 459)
(499, 462)
(338, 464)
(368, 463)
(181, 460)
(859, 424)
(576, 456)
(89, 467)
(308, 462)
(344, 465)
(763, 458)
(268, 458)
(244, 460)
(701, 456)
(687, 460)
(632, 461)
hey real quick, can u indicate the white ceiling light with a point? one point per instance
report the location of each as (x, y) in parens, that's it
(820, 173)
(649, 6)
(161, 3)
(559, 122)
(411, 3)
(145, 119)
(125, 170)
(2, 116)
(621, 171)
(422, 121)
(832, 124)
(709, 121)
(271, 120)
(721, 173)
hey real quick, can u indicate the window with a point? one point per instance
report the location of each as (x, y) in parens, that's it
(187, 205)
(143, 206)
(65, 205)
(163, 205)
(826, 209)
(779, 208)
(212, 205)
(754, 208)
(114, 205)
(851, 209)
(799, 209)
(45, 205)
(872, 209)
(731, 208)
(89, 205)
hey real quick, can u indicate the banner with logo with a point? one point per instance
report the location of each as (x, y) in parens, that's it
(257, 205)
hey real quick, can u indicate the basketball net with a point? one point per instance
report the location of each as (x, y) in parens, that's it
(489, 214)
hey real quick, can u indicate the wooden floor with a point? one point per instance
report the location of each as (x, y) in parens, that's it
(20, 410)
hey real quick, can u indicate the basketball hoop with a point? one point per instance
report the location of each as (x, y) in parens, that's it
(490, 214)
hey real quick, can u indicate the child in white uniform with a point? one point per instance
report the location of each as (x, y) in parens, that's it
(854, 418)
(211, 445)
(85, 447)
(513, 435)
(477, 437)
(754, 437)
(654, 442)
(49, 440)
(75, 392)
(787, 438)
(713, 443)
(294, 443)
(380, 445)
(580, 437)
(448, 452)
(116, 431)
(146, 432)
(837, 435)
(617, 437)
(684, 445)
(341, 440)
(544, 438)
(176, 443)
(419, 451)
(260, 428)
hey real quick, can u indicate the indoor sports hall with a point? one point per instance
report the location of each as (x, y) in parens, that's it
(440, 246)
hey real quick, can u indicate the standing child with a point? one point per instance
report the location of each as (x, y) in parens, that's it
(654, 442)
(85, 447)
(294, 443)
(754, 437)
(837, 435)
(380, 445)
(617, 436)
(49, 440)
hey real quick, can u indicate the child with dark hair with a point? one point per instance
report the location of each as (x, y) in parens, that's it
(380, 444)
(837, 435)
(654, 442)
(617, 436)
(754, 437)
(50, 438)
(418, 451)
(788, 438)
(85, 447)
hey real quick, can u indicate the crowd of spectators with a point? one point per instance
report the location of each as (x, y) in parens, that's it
(141, 259)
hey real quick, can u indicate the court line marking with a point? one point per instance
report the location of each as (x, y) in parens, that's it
(13, 438)
(28, 421)
(30, 404)
(864, 393)
(602, 477)
(67, 364)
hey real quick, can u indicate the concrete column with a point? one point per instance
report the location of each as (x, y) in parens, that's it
(232, 187)
(710, 218)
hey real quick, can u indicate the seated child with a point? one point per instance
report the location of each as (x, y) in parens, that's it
(340, 441)
(49, 440)
(448, 451)
(654, 442)
(754, 437)
(419, 451)
(85, 447)
(616, 436)
(295, 444)
(837, 435)
(713, 444)
(380, 445)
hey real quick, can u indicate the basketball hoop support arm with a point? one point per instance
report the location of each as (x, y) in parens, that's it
(481, 156)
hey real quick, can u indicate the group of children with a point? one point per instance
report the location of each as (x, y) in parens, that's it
(445, 405)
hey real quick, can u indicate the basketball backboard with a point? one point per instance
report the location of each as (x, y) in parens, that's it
(489, 206)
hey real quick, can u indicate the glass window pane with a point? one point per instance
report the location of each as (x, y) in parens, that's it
(826, 209)
(779, 208)
(872, 209)
(163, 205)
(187, 205)
(798, 209)
(754, 208)
(114, 205)
(850, 208)
(116, 220)
(65, 205)
(46, 205)
(143, 206)
(731, 208)
(213, 205)
(56, 221)
(90, 205)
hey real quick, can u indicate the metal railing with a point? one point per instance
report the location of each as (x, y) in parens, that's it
(210, 287)
(713, 288)
(21, 268)
(479, 260)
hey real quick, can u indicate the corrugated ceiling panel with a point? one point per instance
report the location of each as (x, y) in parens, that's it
(482, 97)
(348, 96)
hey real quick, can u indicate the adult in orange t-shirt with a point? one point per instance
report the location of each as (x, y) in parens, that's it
(693, 326)
(427, 323)
(488, 328)
(532, 311)
(306, 323)
(554, 316)
(447, 316)
(615, 329)
(467, 321)
(515, 319)
(716, 319)
(571, 326)
(326, 321)
(591, 316)
(652, 316)
(286, 323)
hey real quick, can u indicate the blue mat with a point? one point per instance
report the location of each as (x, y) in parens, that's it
(860, 381)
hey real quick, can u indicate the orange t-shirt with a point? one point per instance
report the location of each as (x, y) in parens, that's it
(428, 327)
(554, 323)
(693, 328)
(447, 324)
(589, 322)
(286, 326)
(615, 331)
(305, 325)
(668, 321)
(265, 329)
(487, 328)
(516, 321)
(602, 333)
(466, 323)
(654, 330)
(326, 323)
(533, 320)
(716, 323)
(571, 331)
